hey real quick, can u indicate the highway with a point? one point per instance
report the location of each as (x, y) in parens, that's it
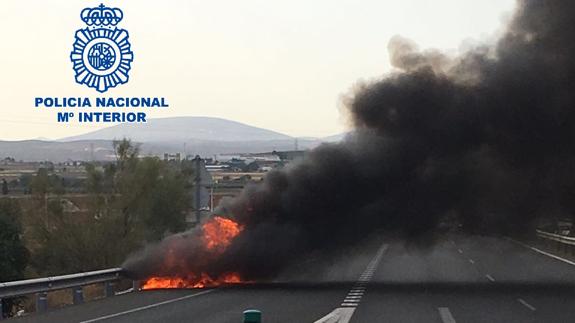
(479, 279)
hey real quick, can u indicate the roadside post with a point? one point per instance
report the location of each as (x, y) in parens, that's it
(136, 285)
(108, 289)
(78, 295)
(41, 302)
(252, 316)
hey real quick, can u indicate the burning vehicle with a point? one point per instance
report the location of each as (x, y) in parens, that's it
(440, 137)
(216, 236)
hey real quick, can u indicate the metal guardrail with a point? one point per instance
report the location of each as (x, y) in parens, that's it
(41, 286)
(556, 237)
(44, 285)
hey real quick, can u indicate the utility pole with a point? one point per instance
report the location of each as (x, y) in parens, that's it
(197, 186)
(212, 197)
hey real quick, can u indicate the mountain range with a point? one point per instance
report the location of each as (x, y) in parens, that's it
(202, 136)
(182, 129)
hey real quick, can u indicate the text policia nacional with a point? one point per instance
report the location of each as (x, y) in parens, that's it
(101, 116)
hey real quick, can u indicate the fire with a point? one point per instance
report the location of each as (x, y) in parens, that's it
(192, 281)
(219, 232)
(217, 235)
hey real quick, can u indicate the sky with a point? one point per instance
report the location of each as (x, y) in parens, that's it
(280, 65)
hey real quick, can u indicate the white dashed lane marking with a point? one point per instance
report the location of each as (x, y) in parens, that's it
(524, 303)
(353, 298)
(445, 315)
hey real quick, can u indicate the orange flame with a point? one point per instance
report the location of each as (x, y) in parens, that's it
(192, 281)
(217, 235)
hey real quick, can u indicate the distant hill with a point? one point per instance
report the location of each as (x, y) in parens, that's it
(183, 129)
(35, 150)
(189, 135)
(335, 138)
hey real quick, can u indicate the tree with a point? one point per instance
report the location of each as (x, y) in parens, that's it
(25, 182)
(40, 184)
(12, 251)
(150, 193)
(4, 187)
(168, 201)
(70, 242)
(13, 254)
(152, 197)
(130, 203)
(126, 153)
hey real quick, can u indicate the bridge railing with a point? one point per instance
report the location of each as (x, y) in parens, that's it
(561, 242)
(556, 237)
(42, 286)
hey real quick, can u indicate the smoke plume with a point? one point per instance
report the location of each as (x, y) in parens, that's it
(486, 139)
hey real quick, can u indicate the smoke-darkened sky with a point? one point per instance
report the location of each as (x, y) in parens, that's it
(486, 138)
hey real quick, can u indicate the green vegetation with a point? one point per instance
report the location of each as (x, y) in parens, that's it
(127, 204)
(5, 189)
(13, 254)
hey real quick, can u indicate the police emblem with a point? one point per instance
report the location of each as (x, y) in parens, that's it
(102, 54)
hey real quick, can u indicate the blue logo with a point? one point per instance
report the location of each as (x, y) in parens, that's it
(102, 54)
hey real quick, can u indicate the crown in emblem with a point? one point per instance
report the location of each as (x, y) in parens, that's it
(102, 16)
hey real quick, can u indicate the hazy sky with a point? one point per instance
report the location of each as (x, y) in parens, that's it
(280, 65)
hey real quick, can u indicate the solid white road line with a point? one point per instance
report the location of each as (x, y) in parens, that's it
(445, 315)
(490, 277)
(339, 315)
(143, 308)
(543, 252)
(524, 303)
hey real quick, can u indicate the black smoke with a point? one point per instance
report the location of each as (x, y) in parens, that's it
(485, 139)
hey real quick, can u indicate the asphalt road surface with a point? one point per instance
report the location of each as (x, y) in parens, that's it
(460, 280)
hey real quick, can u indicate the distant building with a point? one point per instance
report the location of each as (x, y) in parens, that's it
(18, 173)
(230, 173)
(218, 168)
(172, 157)
(290, 156)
